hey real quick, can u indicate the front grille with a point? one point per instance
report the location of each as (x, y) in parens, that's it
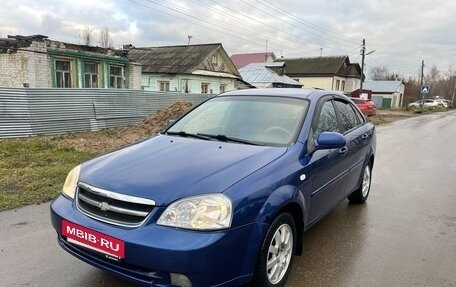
(111, 207)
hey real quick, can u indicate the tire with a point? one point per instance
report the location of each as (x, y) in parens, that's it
(360, 195)
(278, 245)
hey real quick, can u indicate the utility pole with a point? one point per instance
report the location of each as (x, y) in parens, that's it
(454, 92)
(363, 52)
(422, 81)
(422, 72)
(266, 54)
(189, 37)
(321, 52)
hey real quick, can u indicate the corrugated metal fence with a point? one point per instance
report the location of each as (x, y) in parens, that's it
(30, 112)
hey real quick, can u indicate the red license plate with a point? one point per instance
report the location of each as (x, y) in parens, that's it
(88, 238)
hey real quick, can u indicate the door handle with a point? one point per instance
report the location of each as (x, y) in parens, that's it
(343, 150)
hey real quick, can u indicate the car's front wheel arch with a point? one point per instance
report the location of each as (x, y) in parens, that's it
(286, 199)
(276, 252)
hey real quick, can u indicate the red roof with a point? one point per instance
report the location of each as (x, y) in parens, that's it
(241, 60)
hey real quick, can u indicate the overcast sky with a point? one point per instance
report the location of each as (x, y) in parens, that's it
(402, 33)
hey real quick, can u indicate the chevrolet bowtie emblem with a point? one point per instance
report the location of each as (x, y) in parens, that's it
(103, 206)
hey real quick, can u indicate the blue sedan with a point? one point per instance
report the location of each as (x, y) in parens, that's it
(221, 197)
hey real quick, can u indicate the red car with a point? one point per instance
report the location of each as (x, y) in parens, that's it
(367, 107)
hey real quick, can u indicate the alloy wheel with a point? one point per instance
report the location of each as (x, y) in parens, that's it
(279, 254)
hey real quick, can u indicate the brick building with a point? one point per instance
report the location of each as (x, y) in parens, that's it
(37, 62)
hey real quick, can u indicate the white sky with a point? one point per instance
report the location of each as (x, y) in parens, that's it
(402, 33)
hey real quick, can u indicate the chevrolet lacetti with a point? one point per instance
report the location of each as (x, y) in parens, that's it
(221, 197)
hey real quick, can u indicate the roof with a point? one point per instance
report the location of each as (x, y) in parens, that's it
(382, 86)
(172, 59)
(261, 75)
(280, 92)
(241, 60)
(314, 65)
(13, 43)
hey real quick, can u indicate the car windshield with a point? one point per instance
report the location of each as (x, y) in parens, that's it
(274, 121)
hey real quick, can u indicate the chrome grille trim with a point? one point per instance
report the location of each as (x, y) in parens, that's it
(113, 207)
(118, 196)
(103, 205)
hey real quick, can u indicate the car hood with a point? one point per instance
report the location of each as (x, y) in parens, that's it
(166, 168)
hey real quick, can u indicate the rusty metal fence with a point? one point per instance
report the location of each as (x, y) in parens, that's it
(32, 112)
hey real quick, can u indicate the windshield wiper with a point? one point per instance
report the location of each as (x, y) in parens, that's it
(225, 138)
(185, 134)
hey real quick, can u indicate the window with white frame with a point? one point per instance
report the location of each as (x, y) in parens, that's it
(222, 88)
(343, 86)
(116, 77)
(90, 75)
(337, 85)
(63, 77)
(204, 88)
(163, 86)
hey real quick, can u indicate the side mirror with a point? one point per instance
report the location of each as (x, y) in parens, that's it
(170, 123)
(330, 140)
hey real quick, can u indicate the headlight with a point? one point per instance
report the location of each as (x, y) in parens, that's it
(202, 212)
(69, 188)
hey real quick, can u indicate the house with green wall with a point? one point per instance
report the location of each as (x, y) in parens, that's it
(205, 69)
(38, 62)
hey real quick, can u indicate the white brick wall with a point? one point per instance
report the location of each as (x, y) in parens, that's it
(27, 65)
(13, 69)
(135, 76)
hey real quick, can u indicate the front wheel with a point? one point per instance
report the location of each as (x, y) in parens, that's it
(276, 255)
(360, 195)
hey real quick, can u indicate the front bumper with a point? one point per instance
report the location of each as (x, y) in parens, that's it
(152, 252)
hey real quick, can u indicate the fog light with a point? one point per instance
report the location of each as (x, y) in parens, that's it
(180, 280)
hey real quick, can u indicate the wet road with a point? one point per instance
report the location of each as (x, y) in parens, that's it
(405, 235)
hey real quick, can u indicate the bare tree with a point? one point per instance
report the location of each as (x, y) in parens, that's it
(105, 38)
(86, 36)
(434, 75)
(382, 74)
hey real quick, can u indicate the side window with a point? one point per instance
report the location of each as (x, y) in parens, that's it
(327, 120)
(347, 116)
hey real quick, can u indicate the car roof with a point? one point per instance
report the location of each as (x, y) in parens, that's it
(299, 93)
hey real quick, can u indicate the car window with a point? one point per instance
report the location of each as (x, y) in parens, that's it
(272, 121)
(361, 119)
(347, 115)
(327, 120)
(211, 116)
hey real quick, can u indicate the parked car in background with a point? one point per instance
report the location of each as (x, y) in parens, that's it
(367, 107)
(444, 103)
(426, 103)
(223, 195)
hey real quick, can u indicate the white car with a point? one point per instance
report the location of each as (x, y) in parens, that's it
(426, 103)
(443, 102)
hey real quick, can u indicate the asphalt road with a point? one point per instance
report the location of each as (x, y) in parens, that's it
(405, 235)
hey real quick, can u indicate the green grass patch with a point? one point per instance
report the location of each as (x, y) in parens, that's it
(33, 170)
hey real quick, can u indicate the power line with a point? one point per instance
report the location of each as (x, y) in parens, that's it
(223, 13)
(224, 31)
(309, 24)
(260, 22)
(289, 23)
(180, 10)
(251, 32)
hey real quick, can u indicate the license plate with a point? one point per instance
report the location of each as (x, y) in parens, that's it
(76, 234)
